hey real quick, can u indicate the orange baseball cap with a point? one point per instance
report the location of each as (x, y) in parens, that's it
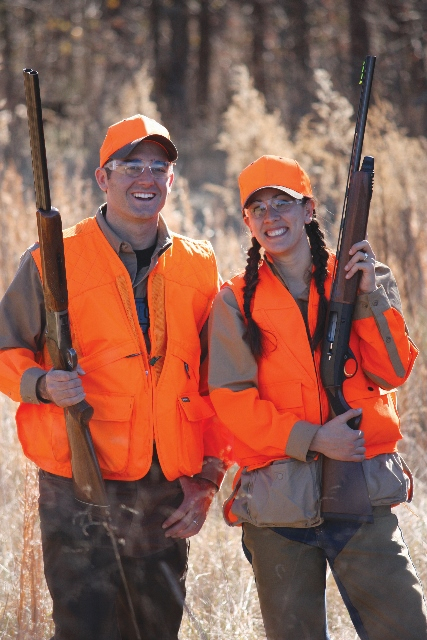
(274, 172)
(123, 137)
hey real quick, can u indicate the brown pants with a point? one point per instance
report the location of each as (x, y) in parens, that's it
(372, 569)
(82, 572)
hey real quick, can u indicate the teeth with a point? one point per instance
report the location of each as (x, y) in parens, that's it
(275, 232)
(144, 196)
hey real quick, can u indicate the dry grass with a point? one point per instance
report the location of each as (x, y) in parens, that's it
(222, 600)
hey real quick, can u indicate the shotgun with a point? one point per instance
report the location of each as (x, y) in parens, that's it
(344, 490)
(87, 479)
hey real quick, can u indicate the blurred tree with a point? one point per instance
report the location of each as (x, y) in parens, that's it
(205, 56)
(359, 43)
(296, 72)
(406, 33)
(176, 88)
(259, 26)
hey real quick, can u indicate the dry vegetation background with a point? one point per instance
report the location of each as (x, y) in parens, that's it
(231, 80)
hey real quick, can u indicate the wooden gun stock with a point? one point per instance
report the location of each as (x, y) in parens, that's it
(87, 478)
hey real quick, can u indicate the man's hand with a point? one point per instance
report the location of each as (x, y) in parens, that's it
(190, 516)
(63, 388)
(338, 441)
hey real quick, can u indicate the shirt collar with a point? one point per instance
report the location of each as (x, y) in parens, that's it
(164, 237)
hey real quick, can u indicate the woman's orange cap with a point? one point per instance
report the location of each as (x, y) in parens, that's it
(277, 173)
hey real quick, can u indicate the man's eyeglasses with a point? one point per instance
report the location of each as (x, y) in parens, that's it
(134, 168)
(259, 209)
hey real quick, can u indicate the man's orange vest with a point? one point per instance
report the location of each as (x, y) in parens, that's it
(137, 398)
(288, 374)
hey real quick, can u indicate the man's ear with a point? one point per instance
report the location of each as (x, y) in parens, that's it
(101, 178)
(170, 182)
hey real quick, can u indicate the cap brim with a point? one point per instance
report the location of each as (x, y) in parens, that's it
(164, 142)
(291, 192)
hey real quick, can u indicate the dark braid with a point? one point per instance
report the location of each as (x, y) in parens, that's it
(319, 255)
(253, 335)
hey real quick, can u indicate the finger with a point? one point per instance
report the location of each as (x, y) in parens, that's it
(359, 259)
(363, 245)
(70, 402)
(351, 413)
(175, 517)
(80, 371)
(186, 528)
(64, 389)
(71, 396)
(61, 376)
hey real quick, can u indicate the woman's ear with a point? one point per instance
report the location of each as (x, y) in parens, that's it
(308, 211)
(247, 222)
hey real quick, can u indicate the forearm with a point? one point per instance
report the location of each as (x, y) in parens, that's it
(22, 319)
(387, 353)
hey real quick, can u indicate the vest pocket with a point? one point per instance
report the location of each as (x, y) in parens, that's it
(192, 410)
(109, 427)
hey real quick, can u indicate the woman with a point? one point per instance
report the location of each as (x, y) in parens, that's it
(266, 330)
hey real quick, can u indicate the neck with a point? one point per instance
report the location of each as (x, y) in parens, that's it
(140, 235)
(294, 268)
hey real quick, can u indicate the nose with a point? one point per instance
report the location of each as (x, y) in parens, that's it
(270, 214)
(146, 177)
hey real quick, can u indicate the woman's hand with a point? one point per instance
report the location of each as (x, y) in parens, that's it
(363, 259)
(336, 440)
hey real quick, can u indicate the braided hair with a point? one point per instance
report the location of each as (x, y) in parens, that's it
(320, 256)
(253, 335)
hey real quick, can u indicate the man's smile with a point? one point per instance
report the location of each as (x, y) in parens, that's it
(140, 195)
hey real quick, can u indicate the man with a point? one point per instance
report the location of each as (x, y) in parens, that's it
(139, 297)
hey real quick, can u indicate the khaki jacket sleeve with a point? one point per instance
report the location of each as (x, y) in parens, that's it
(234, 392)
(217, 439)
(22, 321)
(387, 352)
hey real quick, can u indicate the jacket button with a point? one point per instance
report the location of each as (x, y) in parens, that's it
(280, 476)
(375, 303)
(388, 339)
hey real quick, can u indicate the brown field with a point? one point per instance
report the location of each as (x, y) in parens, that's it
(222, 602)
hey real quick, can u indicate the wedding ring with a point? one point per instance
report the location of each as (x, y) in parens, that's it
(195, 522)
(365, 256)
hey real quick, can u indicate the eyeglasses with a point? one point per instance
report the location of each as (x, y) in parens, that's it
(134, 168)
(259, 209)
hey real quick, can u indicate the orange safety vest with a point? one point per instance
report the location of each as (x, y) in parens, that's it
(288, 374)
(137, 399)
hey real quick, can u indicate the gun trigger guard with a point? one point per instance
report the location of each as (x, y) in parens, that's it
(350, 371)
(71, 359)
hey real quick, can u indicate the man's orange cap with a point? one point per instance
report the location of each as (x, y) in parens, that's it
(277, 173)
(123, 137)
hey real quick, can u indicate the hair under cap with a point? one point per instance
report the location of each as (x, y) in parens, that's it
(122, 137)
(277, 173)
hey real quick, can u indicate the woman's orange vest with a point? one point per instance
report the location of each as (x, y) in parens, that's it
(137, 398)
(288, 374)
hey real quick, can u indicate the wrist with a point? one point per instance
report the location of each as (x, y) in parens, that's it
(42, 393)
